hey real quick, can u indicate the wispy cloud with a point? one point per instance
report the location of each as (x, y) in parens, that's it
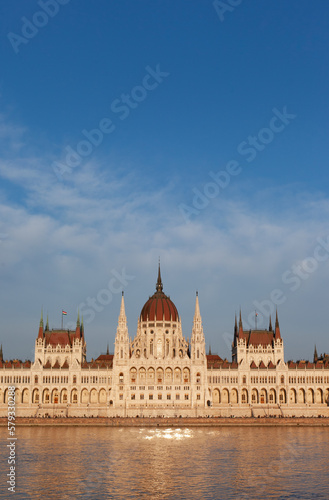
(62, 240)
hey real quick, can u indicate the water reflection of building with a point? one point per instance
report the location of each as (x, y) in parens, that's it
(160, 372)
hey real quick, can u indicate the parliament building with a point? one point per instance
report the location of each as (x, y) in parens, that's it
(160, 372)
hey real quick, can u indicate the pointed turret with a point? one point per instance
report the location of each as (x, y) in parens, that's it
(198, 349)
(40, 334)
(121, 350)
(240, 324)
(277, 327)
(315, 357)
(122, 322)
(1, 354)
(47, 324)
(235, 325)
(270, 329)
(78, 328)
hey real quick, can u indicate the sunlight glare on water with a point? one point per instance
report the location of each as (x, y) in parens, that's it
(253, 463)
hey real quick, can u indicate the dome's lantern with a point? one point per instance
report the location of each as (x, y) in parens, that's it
(159, 307)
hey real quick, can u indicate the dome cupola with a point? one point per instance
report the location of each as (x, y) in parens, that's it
(159, 307)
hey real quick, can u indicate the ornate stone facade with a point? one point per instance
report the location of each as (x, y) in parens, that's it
(161, 373)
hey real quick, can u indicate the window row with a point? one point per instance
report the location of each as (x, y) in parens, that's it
(15, 379)
(309, 380)
(159, 397)
(271, 396)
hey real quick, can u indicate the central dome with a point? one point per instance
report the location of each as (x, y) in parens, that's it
(159, 307)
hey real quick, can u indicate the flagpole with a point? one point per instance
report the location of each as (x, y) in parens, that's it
(62, 319)
(255, 320)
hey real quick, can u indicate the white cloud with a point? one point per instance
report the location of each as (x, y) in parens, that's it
(63, 239)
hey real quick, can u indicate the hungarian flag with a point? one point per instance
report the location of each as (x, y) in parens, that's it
(64, 313)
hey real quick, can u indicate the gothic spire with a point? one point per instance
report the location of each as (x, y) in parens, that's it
(47, 324)
(270, 329)
(122, 307)
(277, 327)
(197, 314)
(40, 333)
(1, 353)
(315, 357)
(198, 346)
(240, 323)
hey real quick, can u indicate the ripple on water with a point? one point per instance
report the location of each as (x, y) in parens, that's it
(170, 463)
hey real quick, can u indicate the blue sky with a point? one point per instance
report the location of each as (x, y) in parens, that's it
(186, 130)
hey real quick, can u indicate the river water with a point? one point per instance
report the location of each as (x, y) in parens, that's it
(159, 463)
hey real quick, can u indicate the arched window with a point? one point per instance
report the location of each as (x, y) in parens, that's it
(282, 379)
(74, 379)
(133, 375)
(35, 379)
(244, 379)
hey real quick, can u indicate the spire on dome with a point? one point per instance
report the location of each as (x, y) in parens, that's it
(159, 286)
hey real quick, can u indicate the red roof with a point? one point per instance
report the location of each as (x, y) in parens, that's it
(159, 307)
(214, 361)
(105, 360)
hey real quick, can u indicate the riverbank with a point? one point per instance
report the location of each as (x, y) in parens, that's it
(169, 422)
